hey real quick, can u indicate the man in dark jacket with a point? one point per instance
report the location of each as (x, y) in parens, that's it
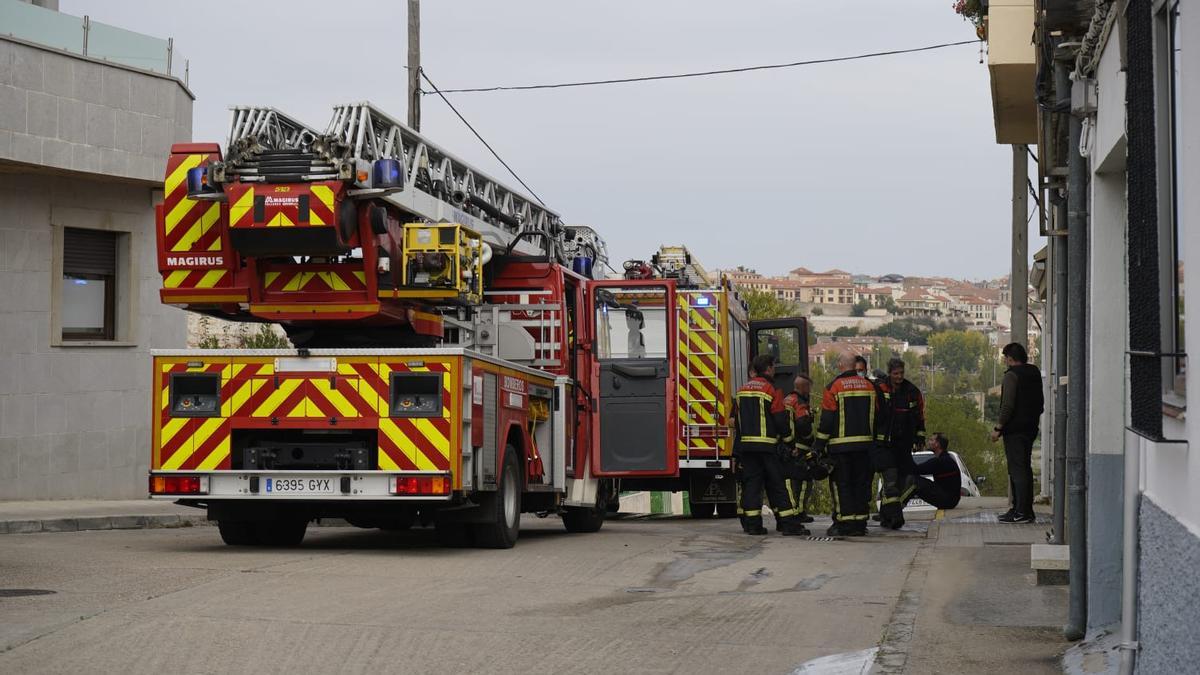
(760, 423)
(1020, 414)
(905, 434)
(944, 487)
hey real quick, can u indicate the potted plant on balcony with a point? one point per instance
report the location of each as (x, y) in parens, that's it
(974, 11)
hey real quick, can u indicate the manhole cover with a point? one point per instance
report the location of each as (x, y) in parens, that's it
(22, 592)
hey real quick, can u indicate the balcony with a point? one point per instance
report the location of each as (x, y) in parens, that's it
(84, 37)
(1012, 65)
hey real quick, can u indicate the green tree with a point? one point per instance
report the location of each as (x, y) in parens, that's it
(913, 330)
(845, 331)
(860, 308)
(817, 311)
(767, 305)
(957, 351)
(264, 338)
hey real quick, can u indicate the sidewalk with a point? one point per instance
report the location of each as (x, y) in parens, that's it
(970, 603)
(23, 517)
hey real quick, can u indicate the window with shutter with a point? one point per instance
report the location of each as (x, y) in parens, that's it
(89, 284)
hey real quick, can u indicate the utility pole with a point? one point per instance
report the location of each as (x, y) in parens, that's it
(1019, 278)
(414, 64)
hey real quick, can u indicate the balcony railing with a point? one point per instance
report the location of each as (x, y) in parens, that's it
(80, 35)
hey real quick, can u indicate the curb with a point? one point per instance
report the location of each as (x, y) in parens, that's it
(89, 523)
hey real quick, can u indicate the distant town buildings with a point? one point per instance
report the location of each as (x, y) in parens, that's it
(980, 305)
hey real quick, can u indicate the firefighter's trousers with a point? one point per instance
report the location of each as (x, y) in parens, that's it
(852, 478)
(759, 471)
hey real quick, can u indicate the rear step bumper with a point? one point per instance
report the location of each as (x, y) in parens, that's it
(311, 485)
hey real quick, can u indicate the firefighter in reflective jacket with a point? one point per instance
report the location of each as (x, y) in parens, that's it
(801, 466)
(905, 435)
(851, 412)
(760, 424)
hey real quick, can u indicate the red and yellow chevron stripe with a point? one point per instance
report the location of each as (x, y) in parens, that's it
(701, 375)
(190, 226)
(280, 205)
(415, 442)
(295, 281)
(253, 395)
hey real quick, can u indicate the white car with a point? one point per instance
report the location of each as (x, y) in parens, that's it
(916, 504)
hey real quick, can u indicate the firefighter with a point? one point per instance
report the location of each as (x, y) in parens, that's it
(905, 435)
(851, 414)
(800, 464)
(760, 423)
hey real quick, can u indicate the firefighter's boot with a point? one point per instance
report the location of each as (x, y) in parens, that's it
(890, 506)
(753, 525)
(792, 527)
(838, 529)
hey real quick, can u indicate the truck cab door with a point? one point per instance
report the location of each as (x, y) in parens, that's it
(787, 341)
(635, 350)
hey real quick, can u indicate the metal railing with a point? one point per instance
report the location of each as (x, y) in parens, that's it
(80, 35)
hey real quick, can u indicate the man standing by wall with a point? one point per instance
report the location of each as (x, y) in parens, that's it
(1020, 413)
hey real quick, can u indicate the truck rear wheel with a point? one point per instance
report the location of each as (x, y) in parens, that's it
(702, 510)
(727, 510)
(283, 532)
(588, 518)
(503, 507)
(238, 532)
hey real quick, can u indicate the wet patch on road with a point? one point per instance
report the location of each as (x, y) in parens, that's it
(23, 592)
(813, 583)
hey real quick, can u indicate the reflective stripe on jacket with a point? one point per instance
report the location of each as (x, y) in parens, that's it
(852, 415)
(759, 418)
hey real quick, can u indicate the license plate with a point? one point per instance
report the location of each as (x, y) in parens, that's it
(300, 486)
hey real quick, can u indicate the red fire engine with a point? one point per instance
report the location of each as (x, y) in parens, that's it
(456, 359)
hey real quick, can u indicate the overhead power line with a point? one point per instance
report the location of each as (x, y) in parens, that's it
(705, 73)
(477, 135)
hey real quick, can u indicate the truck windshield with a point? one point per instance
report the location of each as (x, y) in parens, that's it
(631, 323)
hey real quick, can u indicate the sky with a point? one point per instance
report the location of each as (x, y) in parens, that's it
(875, 166)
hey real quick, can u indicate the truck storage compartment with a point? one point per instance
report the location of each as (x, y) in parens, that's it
(305, 450)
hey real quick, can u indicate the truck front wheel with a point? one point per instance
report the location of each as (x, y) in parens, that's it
(589, 518)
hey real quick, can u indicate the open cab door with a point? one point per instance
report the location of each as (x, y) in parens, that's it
(633, 374)
(787, 341)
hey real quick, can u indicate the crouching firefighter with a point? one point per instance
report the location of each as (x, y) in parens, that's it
(851, 411)
(760, 423)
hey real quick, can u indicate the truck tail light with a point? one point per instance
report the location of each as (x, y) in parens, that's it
(421, 485)
(178, 485)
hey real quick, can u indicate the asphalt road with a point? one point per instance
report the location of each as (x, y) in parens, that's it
(643, 595)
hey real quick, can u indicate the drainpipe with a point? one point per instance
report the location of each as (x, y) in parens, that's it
(1129, 557)
(1077, 338)
(1058, 262)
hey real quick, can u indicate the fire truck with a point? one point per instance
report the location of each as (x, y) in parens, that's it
(715, 340)
(458, 359)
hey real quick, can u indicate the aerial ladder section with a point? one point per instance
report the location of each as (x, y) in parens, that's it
(344, 235)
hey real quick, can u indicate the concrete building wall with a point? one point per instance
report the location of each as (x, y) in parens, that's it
(77, 114)
(1168, 584)
(74, 421)
(83, 144)
(1108, 328)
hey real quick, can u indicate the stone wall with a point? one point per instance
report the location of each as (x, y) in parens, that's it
(78, 114)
